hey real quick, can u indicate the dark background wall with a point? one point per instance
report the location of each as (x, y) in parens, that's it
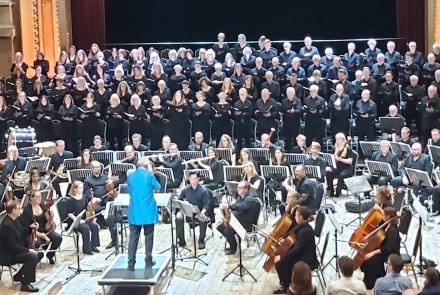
(201, 20)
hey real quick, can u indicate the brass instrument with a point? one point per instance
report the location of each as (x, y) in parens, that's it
(196, 160)
(60, 172)
(19, 179)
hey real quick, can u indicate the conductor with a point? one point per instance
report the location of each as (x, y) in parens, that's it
(142, 211)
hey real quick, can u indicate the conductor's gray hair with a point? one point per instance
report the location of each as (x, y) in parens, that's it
(143, 162)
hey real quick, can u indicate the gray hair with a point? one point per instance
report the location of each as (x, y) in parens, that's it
(143, 162)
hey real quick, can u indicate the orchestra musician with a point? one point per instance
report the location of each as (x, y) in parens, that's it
(384, 155)
(304, 249)
(244, 210)
(373, 266)
(215, 166)
(13, 164)
(197, 195)
(303, 185)
(57, 159)
(198, 144)
(97, 144)
(86, 159)
(35, 183)
(136, 142)
(142, 211)
(89, 229)
(315, 159)
(15, 249)
(300, 147)
(36, 212)
(175, 163)
(344, 160)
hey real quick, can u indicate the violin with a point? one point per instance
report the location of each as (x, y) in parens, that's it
(50, 224)
(33, 235)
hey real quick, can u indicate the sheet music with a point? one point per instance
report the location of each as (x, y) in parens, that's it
(188, 209)
(236, 225)
(122, 200)
(162, 199)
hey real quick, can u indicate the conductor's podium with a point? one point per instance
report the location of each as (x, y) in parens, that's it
(117, 274)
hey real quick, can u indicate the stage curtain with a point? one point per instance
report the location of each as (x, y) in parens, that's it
(88, 22)
(410, 16)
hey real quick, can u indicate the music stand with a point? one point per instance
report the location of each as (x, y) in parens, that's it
(379, 168)
(103, 157)
(241, 233)
(190, 155)
(295, 158)
(392, 124)
(224, 154)
(423, 218)
(231, 188)
(168, 172)
(357, 185)
(70, 164)
(233, 173)
(399, 148)
(118, 171)
(329, 159)
(76, 270)
(337, 230)
(78, 174)
(191, 211)
(434, 153)
(42, 164)
(205, 174)
(260, 156)
(368, 147)
(312, 171)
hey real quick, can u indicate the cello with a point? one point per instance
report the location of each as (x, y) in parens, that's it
(277, 243)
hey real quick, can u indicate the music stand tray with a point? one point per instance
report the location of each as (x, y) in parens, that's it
(418, 177)
(379, 168)
(295, 158)
(357, 184)
(391, 123)
(399, 148)
(312, 171)
(434, 153)
(42, 164)
(368, 147)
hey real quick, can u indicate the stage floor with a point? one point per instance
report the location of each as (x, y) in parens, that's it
(190, 278)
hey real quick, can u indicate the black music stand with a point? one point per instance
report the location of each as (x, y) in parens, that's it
(420, 179)
(368, 147)
(261, 156)
(379, 168)
(233, 173)
(329, 159)
(191, 211)
(312, 171)
(104, 157)
(168, 172)
(224, 154)
(295, 159)
(205, 174)
(338, 229)
(270, 172)
(76, 270)
(231, 188)
(118, 171)
(241, 233)
(190, 155)
(42, 164)
(423, 219)
(434, 153)
(70, 164)
(357, 185)
(120, 202)
(392, 124)
(78, 174)
(399, 148)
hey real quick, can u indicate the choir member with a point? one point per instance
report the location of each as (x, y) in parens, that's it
(196, 75)
(240, 46)
(247, 60)
(189, 94)
(221, 123)
(69, 114)
(243, 110)
(293, 82)
(44, 115)
(333, 70)
(80, 91)
(287, 55)
(340, 111)
(296, 69)
(314, 107)
(175, 82)
(272, 85)
(351, 60)
(408, 69)
(251, 89)
(221, 48)
(188, 62)
(380, 68)
(266, 112)
(218, 77)
(124, 93)
(291, 109)
(102, 94)
(156, 113)
(208, 65)
(101, 74)
(320, 82)
(4, 114)
(307, 52)
(387, 95)
(429, 69)
(115, 122)
(179, 123)
(418, 57)
(238, 76)
(316, 65)
(90, 112)
(200, 115)
(267, 53)
(371, 52)
(19, 67)
(207, 89)
(171, 62)
(429, 110)
(157, 74)
(228, 65)
(392, 57)
(366, 113)
(136, 114)
(22, 111)
(258, 72)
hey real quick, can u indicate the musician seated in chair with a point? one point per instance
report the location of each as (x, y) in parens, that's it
(136, 140)
(15, 249)
(14, 163)
(198, 144)
(344, 169)
(384, 155)
(265, 143)
(243, 210)
(97, 185)
(196, 195)
(315, 159)
(35, 183)
(373, 265)
(300, 147)
(303, 185)
(130, 155)
(304, 249)
(57, 159)
(175, 163)
(97, 145)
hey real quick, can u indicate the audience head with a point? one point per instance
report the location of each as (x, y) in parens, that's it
(301, 282)
(432, 277)
(346, 266)
(395, 263)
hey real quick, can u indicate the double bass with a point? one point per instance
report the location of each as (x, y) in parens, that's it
(278, 241)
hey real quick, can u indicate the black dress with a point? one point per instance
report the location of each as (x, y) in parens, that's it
(138, 123)
(179, 126)
(69, 132)
(78, 96)
(43, 126)
(115, 126)
(222, 123)
(158, 126)
(89, 127)
(200, 120)
(374, 267)
(22, 114)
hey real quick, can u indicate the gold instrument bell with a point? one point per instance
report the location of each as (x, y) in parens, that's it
(60, 172)
(19, 179)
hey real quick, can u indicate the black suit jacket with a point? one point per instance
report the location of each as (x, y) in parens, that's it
(243, 210)
(56, 160)
(12, 239)
(306, 188)
(304, 248)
